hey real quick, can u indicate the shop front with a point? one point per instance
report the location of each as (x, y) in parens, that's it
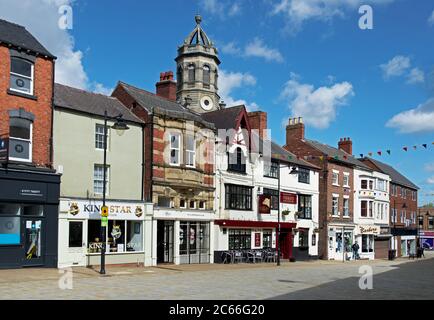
(427, 240)
(80, 240)
(404, 241)
(29, 202)
(182, 237)
(340, 241)
(365, 237)
(252, 235)
(382, 243)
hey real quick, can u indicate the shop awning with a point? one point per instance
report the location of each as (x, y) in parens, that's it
(254, 224)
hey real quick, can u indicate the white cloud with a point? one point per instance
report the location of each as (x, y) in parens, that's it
(100, 88)
(300, 11)
(431, 19)
(257, 48)
(40, 17)
(229, 81)
(397, 66)
(419, 119)
(429, 167)
(220, 8)
(416, 76)
(318, 107)
(430, 180)
(231, 48)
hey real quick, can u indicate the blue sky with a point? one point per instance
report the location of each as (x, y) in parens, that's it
(286, 57)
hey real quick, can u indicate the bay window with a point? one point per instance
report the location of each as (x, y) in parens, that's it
(190, 152)
(175, 139)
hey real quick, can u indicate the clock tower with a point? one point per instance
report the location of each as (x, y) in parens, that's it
(197, 72)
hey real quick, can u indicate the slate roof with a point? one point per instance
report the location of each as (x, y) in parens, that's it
(396, 176)
(224, 118)
(91, 103)
(18, 36)
(279, 153)
(162, 106)
(333, 152)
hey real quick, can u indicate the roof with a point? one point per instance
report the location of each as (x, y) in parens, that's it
(153, 103)
(89, 102)
(225, 118)
(344, 157)
(279, 153)
(396, 176)
(19, 37)
(198, 36)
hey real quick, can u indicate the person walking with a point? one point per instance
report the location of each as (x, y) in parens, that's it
(355, 248)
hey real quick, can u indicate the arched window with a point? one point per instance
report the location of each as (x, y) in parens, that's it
(21, 79)
(191, 73)
(179, 77)
(206, 75)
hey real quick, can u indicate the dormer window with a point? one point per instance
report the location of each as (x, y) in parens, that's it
(22, 72)
(191, 73)
(206, 76)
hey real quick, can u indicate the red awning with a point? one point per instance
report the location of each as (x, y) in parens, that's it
(254, 224)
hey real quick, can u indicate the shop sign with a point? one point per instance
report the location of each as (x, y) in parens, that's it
(290, 198)
(369, 230)
(94, 210)
(257, 239)
(264, 204)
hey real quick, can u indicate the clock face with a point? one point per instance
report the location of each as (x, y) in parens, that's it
(206, 103)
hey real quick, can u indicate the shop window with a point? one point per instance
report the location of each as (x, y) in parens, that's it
(271, 169)
(10, 228)
(303, 175)
(274, 195)
(304, 207)
(94, 239)
(98, 179)
(303, 238)
(240, 239)
(134, 236)
(267, 238)
(75, 234)
(21, 76)
(116, 236)
(194, 242)
(238, 197)
(20, 139)
(99, 136)
(32, 210)
(367, 243)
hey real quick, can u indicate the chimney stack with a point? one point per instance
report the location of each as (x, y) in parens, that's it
(166, 87)
(294, 130)
(258, 121)
(346, 145)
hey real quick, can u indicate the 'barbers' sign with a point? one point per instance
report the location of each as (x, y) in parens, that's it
(369, 230)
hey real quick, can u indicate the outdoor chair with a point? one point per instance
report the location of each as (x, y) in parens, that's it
(226, 257)
(259, 256)
(238, 256)
(250, 256)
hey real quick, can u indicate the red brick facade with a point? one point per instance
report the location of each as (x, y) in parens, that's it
(40, 107)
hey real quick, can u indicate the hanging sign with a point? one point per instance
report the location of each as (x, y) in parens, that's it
(264, 206)
(104, 211)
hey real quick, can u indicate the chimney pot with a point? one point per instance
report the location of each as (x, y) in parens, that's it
(166, 87)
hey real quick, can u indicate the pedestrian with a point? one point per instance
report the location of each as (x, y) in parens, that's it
(355, 248)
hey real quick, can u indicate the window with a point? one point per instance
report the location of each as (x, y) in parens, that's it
(267, 237)
(192, 204)
(20, 139)
(371, 185)
(274, 194)
(175, 148)
(371, 209)
(394, 215)
(240, 239)
(304, 207)
(191, 73)
(182, 204)
(335, 178)
(346, 180)
(364, 208)
(206, 75)
(402, 216)
(165, 202)
(367, 243)
(99, 136)
(271, 169)
(21, 75)
(346, 207)
(404, 193)
(238, 197)
(303, 175)
(381, 185)
(179, 77)
(364, 184)
(393, 190)
(75, 234)
(238, 164)
(413, 195)
(335, 203)
(430, 222)
(190, 152)
(202, 205)
(98, 179)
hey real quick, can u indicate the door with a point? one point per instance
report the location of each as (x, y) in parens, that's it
(33, 238)
(76, 243)
(165, 231)
(285, 241)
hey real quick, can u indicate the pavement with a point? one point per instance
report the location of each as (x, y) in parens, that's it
(398, 279)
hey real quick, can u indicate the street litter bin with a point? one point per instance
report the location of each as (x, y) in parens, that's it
(392, 254)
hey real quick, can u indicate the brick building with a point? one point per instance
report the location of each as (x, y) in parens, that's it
(336, 187)
(403, 208)
(29, 187)
(426, 226)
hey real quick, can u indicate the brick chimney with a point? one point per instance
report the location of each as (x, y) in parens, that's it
(166, 88)
(258, 121)
(294, 130)
(346, 145)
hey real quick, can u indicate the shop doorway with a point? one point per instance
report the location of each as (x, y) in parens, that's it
(76, 243)
(285, 243)
(33, 238)
(165, 230)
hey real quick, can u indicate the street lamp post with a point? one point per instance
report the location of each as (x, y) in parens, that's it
(120, 126)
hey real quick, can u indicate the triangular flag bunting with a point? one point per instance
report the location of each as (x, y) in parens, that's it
(405, 149)
(424, 145)
(388, 151)
(414, 147)
(370, 154)
(361, 155)
(379, 153)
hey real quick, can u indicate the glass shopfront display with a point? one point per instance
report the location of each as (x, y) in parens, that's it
(240, 239)
(194, 242)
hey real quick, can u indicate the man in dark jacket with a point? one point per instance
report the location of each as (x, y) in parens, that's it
(355, 248)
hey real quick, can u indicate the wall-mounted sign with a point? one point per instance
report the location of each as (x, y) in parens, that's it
(264, 206)
(290, 198)
(257, 239)
(92, 209)
(369, 230)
